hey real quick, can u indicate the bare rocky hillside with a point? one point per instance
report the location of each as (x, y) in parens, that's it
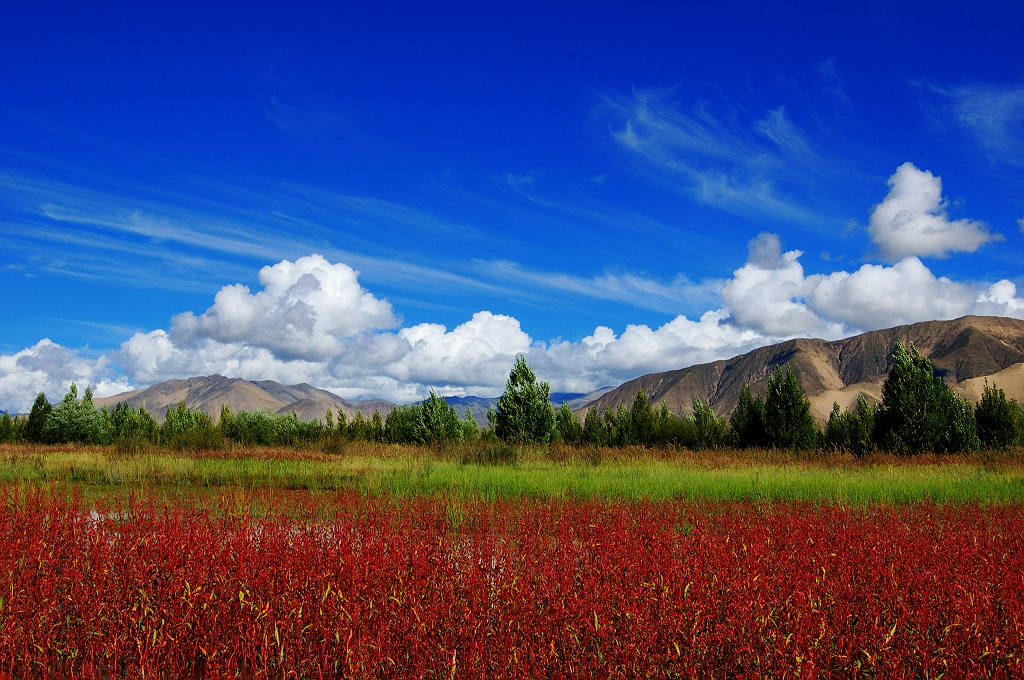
(964, 351)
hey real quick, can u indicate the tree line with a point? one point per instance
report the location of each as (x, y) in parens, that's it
(918, 413)
(74, 420)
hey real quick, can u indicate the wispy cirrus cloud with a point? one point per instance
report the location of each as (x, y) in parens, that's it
(89, 232)
(830, 75)
(743, 164)
(622, 222)
(305, 122)
(639, 291)
(993, 113)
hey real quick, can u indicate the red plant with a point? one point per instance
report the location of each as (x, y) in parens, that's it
(429, 588)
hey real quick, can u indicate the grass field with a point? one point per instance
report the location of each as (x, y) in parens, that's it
(634, 474)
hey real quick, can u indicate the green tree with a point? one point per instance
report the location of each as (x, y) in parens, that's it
(918, 411)
(403, 424)
(225, 423)
(837, 431)
(470, 429)
(440, 422)
(524, 413)
(640, 429)
(342, 426)
(787, 413)
(567, 426)
(747, 420)
(618, 426)
(996, 418)
(862, 426)
(908, 395)
(359, 429)
(851, 430)
(75, 420)
(709, 430)
(130, 427)
(37, 418)
(6, 428)
(955, 428)
(671, 430)
(377, 427)
(594, 432)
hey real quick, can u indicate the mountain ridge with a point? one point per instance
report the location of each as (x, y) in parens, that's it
(964, 352)
(209, 393)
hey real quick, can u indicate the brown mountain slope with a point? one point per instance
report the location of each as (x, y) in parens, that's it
(963, 351)
(209, 393)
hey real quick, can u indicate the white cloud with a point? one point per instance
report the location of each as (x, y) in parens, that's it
(305, 310)
(604, 358)
(156, 356)
(1000, 299)
(912, 219)
(1020, 223)
(336, 341)
(777, 127)
(50, 368)
(772, 295)
(767, 293)
(477, 352)
(876, 296)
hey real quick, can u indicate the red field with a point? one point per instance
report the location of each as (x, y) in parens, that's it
(435, 589)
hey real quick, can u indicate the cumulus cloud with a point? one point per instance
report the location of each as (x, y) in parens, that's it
(305, 311)
(877, 296)
(771, 294)
(1000, 299)
(768, 293)
(912, 219)
(50, 368)
(767, 299)
(156, 356)
(477, 352)
(604, 358)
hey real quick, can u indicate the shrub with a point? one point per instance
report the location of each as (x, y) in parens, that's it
(189, 430)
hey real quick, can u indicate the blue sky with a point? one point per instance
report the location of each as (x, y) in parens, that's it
(609, 191)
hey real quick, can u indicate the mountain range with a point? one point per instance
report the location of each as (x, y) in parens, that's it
(209, 393)
(965, 352)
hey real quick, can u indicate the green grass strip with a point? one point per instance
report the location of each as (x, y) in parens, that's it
(407, 476)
